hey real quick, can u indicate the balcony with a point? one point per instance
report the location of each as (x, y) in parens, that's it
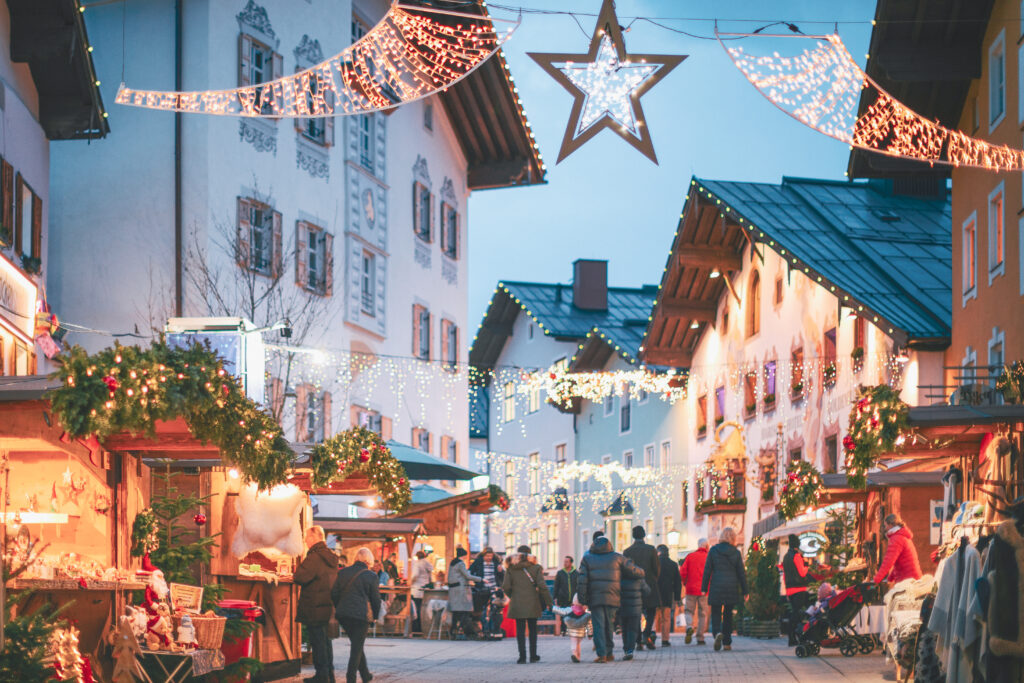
(975, 385)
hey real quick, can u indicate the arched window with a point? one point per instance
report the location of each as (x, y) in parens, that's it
(754, 305)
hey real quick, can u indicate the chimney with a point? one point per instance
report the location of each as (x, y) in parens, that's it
(590, 285)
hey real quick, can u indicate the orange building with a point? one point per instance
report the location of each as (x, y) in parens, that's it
(963, 64)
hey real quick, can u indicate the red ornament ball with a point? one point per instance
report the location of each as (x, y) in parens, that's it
(111, 383)
(199, 519)
(848, 443)
(364, 455)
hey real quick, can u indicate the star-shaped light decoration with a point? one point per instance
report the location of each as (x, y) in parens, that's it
(607, 84)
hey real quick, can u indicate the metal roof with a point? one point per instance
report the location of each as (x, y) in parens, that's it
(893, 253)
(26, 387)
(551, 307)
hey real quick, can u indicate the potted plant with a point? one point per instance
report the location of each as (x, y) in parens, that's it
(719, 420)
(763, 605)
(829, 374)
(1011, 382)
(798, 388)
(857, 356)
(751, 408)
(769, 400)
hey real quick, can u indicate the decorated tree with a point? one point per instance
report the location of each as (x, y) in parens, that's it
(802, 491)
(840, 531)
(763, 580)
(877, 421)
(358, 450)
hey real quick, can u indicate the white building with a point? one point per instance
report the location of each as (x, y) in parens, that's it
(47, 93)
(354, 229)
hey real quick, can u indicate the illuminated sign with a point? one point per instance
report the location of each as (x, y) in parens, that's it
(17, 300)
(812, 543)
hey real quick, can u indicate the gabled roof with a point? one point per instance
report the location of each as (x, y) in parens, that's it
(551, 308)
(891, 255)
(925, 53)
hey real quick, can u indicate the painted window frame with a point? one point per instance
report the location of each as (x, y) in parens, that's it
(665, 455)
(533, 478)
(650, 462)
(996, 232)
(367, 283)
(628, 458)
(508, 405)
(995, 365)
(997, 48)
(969, 259)
(608, 405)
(625, 415)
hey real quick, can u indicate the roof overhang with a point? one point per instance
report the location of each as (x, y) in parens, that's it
(372, 528)
(488, 119)
(925, 54)
(478, 501)
(50, 36)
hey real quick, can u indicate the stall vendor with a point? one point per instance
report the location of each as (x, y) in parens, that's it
(900, 561)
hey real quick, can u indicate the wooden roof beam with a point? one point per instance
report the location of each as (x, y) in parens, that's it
(668, 357)
(703, 311)
(723, 258)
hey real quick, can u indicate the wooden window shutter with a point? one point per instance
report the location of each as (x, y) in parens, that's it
(2, 358)
(275, 258)
(276, 397)
(326, 404)
(444, 340)
(244, 231)
(444, 232)
(430, 442)
(430, 341)
(458, 235)
(301, 254)
(19, 186)
(301, 434)
(417, 198)
(328, 131)
(37, 226)
(244, 57)
(353, 415)
(455, 353)
(7, 198)
(433, 218)
(444, 447)
(328, 264)
(385, 428)
(278, 66)
(416, 331)
(32, 369)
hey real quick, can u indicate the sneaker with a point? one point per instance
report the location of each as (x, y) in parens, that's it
(718, 642)
(574, 659)
(665, 643)
(689, 635)
(727, 648)
(628, 657)
(534, 659)
(652, 645)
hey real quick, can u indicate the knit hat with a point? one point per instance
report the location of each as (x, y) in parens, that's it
(460, 552)
(794, 541)
(577, 608)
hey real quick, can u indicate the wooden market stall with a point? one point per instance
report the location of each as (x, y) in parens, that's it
(76, 501)
(446, 521)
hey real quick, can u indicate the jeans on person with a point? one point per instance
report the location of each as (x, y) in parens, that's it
(721, 622)
(323, 651)
(630, 632)
(665, 621)
(649, 613)
(696, 604)
(356, 629)
(798, 607)
(417, 623)
(521, 627)
(603, 619)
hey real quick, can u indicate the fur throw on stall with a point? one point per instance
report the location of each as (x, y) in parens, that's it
(268, 520)
(1006, 558)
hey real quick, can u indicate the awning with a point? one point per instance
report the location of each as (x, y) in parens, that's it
(422, 466)
(797, 527)
(371, 528)
(886, 479)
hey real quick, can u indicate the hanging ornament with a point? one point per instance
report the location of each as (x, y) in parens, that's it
(607, 84)
(199, 519)
(822, 86)
(405, 57)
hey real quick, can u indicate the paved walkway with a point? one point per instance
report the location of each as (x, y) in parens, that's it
(768, 661)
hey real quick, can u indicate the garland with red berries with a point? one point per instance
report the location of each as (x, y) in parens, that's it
(803, 489)
(498, 497)
(877, 421)
(131, 389)
(360, 450)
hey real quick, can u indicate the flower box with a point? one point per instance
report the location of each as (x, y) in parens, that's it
(828, 374)
(797, 389)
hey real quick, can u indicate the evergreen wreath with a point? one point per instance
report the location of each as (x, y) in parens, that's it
(360, 450)
(877, 421)
(130, 389)
(803, 489)
(145, 534)
(498, 497)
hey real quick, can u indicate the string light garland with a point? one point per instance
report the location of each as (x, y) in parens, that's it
(802, 491)
(129, 389)
(607, 84)
(821, 88)
(358, 450)
(877, 422)
(405, 57)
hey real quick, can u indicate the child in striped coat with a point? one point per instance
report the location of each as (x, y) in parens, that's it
(577, 623)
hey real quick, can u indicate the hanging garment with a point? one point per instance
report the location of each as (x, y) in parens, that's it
(928, 667)
(1003, 662)
(956, 628)
(951, 482)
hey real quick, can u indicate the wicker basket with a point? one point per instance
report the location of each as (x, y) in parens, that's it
(209, 630)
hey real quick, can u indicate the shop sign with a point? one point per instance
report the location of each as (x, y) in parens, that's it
(17, 298)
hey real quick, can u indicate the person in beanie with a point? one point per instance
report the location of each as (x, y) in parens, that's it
(645, 557)
(796, 576)
(670, 589)
(725, 581)
(460, 596)
(315, 575)
(528, 595)
(600, 588)
(631, 608)
(691, 572)
(577, 621)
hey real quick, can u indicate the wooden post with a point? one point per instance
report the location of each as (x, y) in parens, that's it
(6, 469)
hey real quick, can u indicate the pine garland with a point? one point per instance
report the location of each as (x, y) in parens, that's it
(130, 389)
(497, 496)
(763, 578)
(877, 421)
(802, 490)
(360, 450)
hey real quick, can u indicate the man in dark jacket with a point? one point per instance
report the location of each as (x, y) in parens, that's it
(315, 575)
(600, 588)
(356, 596)
(566, 583)
(670, 588)
(633, 593)
(646, 557)
(725, 582)
(493, 578)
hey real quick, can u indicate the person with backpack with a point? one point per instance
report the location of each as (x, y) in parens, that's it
(356, 598)
(315, 576)
(528, 596)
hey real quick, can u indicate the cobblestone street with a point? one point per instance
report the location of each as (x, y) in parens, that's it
(766, 661)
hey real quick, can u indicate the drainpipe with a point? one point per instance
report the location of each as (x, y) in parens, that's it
(178, 265)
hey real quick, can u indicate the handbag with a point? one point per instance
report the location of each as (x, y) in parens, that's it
(535, 587)
(369, 608)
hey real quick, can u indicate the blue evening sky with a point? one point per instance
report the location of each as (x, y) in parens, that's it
(608, 201)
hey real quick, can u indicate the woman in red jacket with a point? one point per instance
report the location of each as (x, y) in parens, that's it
(900, 561)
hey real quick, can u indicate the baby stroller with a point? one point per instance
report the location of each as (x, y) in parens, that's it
(831, 627)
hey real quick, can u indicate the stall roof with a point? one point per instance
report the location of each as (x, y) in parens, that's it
(886, 479)
(478, 501)
(26, 388)
(371, 527)
(795, 527)
(421, 466)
